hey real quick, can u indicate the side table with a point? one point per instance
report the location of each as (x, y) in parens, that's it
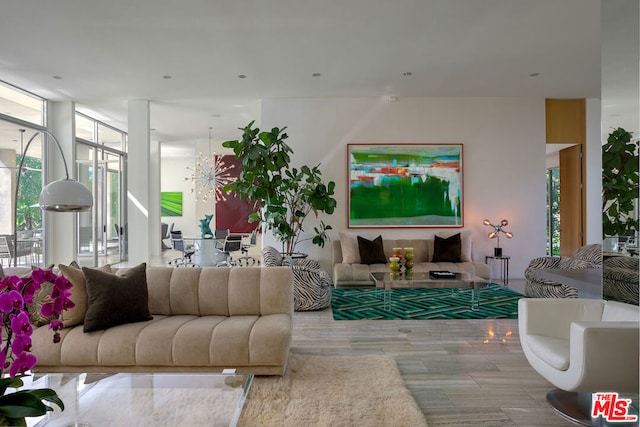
(504, 270)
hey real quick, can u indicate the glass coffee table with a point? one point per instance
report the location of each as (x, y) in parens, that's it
(158, 399)
(461, 280)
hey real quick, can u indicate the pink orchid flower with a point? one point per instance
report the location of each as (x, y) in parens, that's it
(41, 276)
(10, 301)
(20, 324)
(22, 364)
(21, 344)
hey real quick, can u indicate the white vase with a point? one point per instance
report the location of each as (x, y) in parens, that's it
(610, 244)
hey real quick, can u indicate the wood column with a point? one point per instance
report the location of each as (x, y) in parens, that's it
(566, 124)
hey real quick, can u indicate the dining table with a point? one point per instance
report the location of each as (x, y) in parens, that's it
(208, 252)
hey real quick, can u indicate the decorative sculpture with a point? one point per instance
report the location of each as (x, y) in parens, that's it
(205, 229)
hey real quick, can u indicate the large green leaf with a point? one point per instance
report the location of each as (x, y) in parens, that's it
(22, 404)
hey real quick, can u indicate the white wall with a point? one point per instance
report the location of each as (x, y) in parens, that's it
(504, 158)
(594, 173)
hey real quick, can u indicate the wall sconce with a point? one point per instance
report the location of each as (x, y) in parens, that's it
(63, 195)
(497, 229)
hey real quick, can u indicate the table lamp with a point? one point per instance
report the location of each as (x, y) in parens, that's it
(497, 229)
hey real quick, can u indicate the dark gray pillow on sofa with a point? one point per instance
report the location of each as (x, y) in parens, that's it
(116, 300)
(371, 251)
(447, 249)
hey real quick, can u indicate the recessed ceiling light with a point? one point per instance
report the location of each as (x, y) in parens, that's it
(152, 129)
(534, 74)
(316, 75)
(407, 74)
(242, 76)
(57, 77)
(167, 77)
(215, 115)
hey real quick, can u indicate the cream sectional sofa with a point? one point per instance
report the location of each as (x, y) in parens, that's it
(203, 320)
(347, 272)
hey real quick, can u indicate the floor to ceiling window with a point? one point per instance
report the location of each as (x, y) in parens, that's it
(553, 211)
(100, 156)
(21, 115)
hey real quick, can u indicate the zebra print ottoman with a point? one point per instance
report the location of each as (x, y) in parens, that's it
(588, 256)
(311, 284)
(620, 279)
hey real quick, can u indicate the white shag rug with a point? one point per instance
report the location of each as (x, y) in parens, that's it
(364, 391)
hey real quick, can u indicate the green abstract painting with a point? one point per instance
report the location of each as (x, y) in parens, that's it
(171, 203)
(405, 185)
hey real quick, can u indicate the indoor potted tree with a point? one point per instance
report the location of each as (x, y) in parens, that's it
(282, 196)
(619, 184)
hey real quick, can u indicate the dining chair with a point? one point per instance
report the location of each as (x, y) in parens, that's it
(178, 244)
(232, 243)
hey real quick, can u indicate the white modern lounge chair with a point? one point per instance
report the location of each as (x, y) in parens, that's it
(581, 346)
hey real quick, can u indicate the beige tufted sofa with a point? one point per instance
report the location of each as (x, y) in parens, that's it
(355, 273)
(204, 320)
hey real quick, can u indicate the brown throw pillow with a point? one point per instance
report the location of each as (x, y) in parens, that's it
(371, 251)
(116, 300)
(447, 249)
(75, 316)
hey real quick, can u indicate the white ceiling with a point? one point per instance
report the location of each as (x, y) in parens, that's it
(107, 53)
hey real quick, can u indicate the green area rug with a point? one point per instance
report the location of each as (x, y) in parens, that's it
(496, 302)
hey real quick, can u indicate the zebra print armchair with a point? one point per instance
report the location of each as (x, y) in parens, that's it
(588, 256)
(620, 279)
(311, 284)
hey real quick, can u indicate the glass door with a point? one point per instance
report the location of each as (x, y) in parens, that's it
(113, 226)
(100, 231)
(86, 244)
(553, 211)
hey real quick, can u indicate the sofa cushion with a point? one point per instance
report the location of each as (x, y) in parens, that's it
(350, 248)
(116, 300)
(446, 249)
(74, 274)
(371, 251)
(554, 351)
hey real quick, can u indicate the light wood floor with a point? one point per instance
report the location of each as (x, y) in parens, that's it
(461, 372)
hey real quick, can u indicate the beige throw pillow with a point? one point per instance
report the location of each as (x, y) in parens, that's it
(75, 316)
(350, 249)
